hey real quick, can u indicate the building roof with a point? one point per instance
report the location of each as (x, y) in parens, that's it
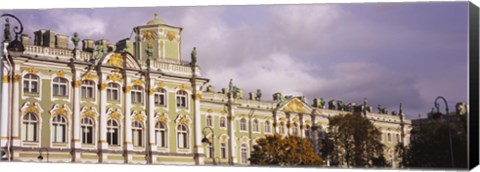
(155, 20)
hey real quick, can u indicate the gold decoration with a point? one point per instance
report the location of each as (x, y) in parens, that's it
(149, 35)
(231, 118)
(308, 122)
(32, 70)
(244, 139)
(117, 70)
(77, 84)
(295, 106)
(223, 112)
(184, 120)
(32, 109)
(171, 35)
(17, 78)
(5, 78)
(151, 91)
(197, 96)
(162, 119)
(209, 110)
(127, 88)
(89, 113)
(103, 86)
(182, 87)
(138, 82)
(60, 73)
(160, 84)
(295, 119)
(116, 59)
(282, 119)
(115, 115)
(223, 138)
(89, 76)
(138, 117)
(115, 77)
(61, 111)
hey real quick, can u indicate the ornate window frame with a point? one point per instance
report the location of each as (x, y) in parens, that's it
(37, 110)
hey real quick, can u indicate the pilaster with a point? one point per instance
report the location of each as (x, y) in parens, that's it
(102, 139)
(76, 144)
(17, 78)
(4, 112)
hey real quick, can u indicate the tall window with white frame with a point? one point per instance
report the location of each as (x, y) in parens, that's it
(87, 126)
(88, 89)
(161, 134)
(223, 122)
(59, 129)
(60, 86)
(182, 99)
(113, 130)
(209, 121)
(160, 98)
(308, 130)
(113, 92)
(137, 133)
(182, 136)
(30, 128)
(255, 126)
(223, 150)
(137, 94)
(267, 128)
(244, 153)
(281, 128)
(398, 138)
(243, 124)
(389, 137)
(30, 83)
(295, 129)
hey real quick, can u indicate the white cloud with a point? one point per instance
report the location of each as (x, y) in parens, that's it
(88, 26)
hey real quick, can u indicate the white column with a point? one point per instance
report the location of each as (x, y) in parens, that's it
(76, 115)
(127, 127)
(233, 139)
(15, 107)
(198, 128)
(151, 120)
(102, 127)
(4, 112)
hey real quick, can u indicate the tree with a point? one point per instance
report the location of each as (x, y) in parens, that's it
(288, 151)
(430, 146)
(356, 142)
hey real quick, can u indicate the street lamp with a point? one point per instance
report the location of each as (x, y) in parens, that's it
(212, 144)
(437, 106)
(15, 48)
(40, 157)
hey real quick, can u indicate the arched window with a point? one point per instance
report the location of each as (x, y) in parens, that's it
(30, 128)
(223, 122)
(209, 120)
(281, 128)
(86, 124)
(137, 94)
(113, 92)
(60, 86)
(307, 131)
(398, 138)
(295, 129)
(255, 125)
(389, 137)
(30, 83)
(59, 129)
(223, 150)
(88, 89)
(243, 124)
(182, 136)
(161, 134)
(182, 99)
(244, 153)
(112, 132)
(267, 127)
(137, 133)
(160, 97)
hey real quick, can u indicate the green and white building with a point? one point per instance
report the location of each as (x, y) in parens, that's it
(138, 102)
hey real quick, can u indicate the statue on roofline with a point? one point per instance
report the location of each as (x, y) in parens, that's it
(194, 56)
(99, 51)
(258, 95)
(75, 39)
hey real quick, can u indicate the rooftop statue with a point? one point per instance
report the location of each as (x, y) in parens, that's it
(322, 103)
(6, 31)
(194, 56)
(75, 39)
(401, 109)
(149, 52)
(258, 95)
(99, 51)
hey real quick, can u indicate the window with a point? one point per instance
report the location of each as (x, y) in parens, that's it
(255, 126)
(223, 150)
(86, 124)
(243, 124)
(210, 150)
(267, 127)
(182, 99)
(59, 129)
(30, 128)
(161, 134)
(182, 136)
(60, 86)
(295, 129)
(209, 121)
(222, 122)
(137, 133)
(113, 92)
(243, 154)
(112, 132)
(307, 131)
(389, 137)
(159, 97)
(88, 89)
(281, 128)
(137, 94)
(30, 83)
(398, 138)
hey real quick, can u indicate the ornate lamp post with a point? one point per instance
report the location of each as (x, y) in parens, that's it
(15, 48)
(40, 157)
(212, 144)
(437, 106)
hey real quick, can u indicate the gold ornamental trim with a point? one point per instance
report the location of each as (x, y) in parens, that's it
(162, 118)
(295, 106)
(77, 84)
(182, 87)
(160, 84)
(115, 77)
(138, 82)
(32, 70)
(116, 59)
(5, 78)
(127, 88)
(61, 111)
(90, 76)
(138, 117)
(103, 86)
(60, 73)
(151, 91)
(115, 115)
(184, 120)
(89, 113)
(17, 78)
(149, 35)
(32, 109)
(197, 96)
(209, 110)
(171, 35)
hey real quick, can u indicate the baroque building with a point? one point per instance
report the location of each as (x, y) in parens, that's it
(138, 102)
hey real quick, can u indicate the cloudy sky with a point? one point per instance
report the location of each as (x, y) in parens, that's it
(391, 53)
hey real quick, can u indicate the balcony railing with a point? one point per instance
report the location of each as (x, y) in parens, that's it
(56, 52)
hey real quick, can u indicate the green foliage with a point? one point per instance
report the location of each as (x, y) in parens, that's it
(356, 142)
(288, 151)
(430, 147)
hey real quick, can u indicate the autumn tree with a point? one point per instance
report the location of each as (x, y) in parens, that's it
(284, 151)
(356, 142)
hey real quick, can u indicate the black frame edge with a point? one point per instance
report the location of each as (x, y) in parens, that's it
(473, 116)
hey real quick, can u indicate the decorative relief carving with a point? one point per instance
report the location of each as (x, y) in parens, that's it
(77, 84)
(32, 70)
(160, 84)
(183, 119)
(127, 88)
(116, 59)
(295, 106)
(137, 116)
(151, 91)
(17, 78)
(63, 110)
(197, 96)
(114, 114)
(90, 76)
(89, 113)
(103, 86)
(5, 78)
(60, 73)
(171, 35)
(209, 110)
(138, 82)
(115, 77)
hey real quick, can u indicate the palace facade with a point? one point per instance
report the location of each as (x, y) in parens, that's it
(138, 102)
